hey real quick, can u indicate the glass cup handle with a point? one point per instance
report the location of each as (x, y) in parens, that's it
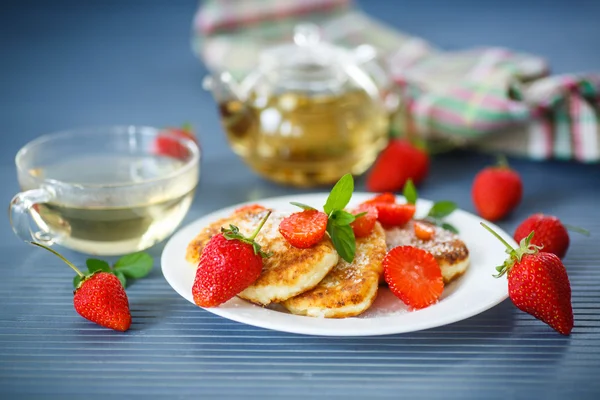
(22, 221)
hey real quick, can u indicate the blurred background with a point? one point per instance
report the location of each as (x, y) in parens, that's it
(72, 63)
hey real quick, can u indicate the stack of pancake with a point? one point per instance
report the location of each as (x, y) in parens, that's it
(316, 281)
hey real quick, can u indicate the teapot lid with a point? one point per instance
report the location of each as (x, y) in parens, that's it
(307, 64)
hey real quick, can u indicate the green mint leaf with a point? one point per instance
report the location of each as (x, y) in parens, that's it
(94, 265)
(362, 214)
(442, 209)
(341, 217)
(340, 194)
(449, 227)
(343, 240)
(76, 281)
(122, 278)
(135, 265)
(410, 192)
(302, 206)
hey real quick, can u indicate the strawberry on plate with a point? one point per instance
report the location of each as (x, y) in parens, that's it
(414, 276)
(230, 262)
(304, 229)
(395, 214)
(538, 283)
(363, 224)
(423, 230)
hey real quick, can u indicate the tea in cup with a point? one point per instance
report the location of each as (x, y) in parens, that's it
(104, 191)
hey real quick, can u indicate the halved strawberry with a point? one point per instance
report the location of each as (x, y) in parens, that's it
(391, 214)
(363, 225)
(423, 230)
(386, 197)
(304, 229)
(413, 275)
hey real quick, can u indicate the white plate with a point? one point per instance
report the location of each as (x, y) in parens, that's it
(476, 291)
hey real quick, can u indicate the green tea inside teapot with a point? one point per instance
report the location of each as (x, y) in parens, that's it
(308, 114)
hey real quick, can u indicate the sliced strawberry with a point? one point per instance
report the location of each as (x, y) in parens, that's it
(250, 207)
(424, 231)
(391, 214)
(413, 275)
(304, 229)
(382, 198)
(363, 225)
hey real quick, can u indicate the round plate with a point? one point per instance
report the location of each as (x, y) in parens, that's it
(476, 291)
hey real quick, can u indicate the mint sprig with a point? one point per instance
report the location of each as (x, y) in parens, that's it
(438, 211)
(339, 220)
(131, 266)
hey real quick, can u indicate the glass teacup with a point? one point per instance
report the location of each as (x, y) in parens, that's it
(104, 191)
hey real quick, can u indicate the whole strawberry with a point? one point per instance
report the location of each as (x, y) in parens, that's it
(167, 143)
(397, 163)
(550, 234)
(496, 191)
(229, 264)
(538, 284)
(99, 297)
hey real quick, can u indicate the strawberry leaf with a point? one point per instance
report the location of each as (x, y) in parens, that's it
(410, 192)
(122, 278)
(76, 281)
(94, 265)
(343, 239)
(135, 266)
(302, 206)
(340, 194)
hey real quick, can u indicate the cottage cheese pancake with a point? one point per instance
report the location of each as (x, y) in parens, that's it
(350, 288)
(448, 249)
(288, 272)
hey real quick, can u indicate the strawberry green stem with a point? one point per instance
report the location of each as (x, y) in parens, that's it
(502, 161)
(262, 222)
(59, 256)
(508, 246)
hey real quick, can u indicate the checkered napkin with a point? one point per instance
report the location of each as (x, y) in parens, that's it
(493, 99)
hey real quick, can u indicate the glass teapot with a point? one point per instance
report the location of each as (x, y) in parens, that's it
(309, 112)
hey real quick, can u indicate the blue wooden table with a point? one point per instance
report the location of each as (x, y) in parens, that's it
(72, 63)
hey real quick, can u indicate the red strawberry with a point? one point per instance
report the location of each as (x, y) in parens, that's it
(496, 191)
(382, 198)
(423, 230)
(538, 284)
(550, 233)
(397, 163)
(413, 275)
(391, 214)
(166, 143)
(250, 207)
(304, 229)
(363, 225)
(99, 297)
(229, 263)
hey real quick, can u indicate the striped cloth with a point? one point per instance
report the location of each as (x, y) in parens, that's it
(493, 99)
